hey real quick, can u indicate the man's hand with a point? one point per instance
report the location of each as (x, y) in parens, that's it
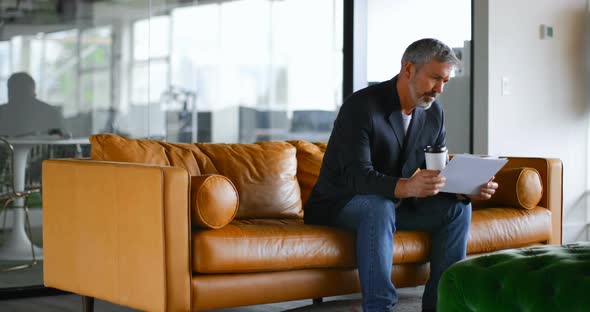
(422, 184)
(486, 190)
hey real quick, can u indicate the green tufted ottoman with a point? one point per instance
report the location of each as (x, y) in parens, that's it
(544, 278)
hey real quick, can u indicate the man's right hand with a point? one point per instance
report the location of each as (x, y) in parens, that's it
(422, 184)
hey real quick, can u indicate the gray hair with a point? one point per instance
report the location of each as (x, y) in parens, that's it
(425, 50)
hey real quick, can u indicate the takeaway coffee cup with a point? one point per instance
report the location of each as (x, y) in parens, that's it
(436, 157)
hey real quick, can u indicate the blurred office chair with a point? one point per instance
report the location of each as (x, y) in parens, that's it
(39, 153)
(8, 195)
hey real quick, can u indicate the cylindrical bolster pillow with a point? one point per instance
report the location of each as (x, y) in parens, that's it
(214, 201)
(517, 187)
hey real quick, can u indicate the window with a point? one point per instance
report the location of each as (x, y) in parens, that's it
(149, 76)
(95, 71)
(255, 71)
(5, 69)
(151, 51)
(54, 65)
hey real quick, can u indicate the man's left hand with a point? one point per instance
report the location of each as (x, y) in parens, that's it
(486, 191)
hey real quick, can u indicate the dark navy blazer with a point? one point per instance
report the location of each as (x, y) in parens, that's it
(368, 152)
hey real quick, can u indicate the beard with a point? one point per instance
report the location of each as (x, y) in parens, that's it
(423, 100)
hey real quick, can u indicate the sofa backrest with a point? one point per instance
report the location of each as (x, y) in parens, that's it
(264, 173)
(309, 163)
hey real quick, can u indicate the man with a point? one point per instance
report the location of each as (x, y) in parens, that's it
(368, 181)
(24, 114)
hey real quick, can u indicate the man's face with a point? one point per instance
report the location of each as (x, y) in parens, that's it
(427, 82)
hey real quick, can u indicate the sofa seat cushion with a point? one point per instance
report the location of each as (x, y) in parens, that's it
(501, 228)
(258, 245)
(273, 245)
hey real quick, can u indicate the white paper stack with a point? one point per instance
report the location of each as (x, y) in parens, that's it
(467, 173)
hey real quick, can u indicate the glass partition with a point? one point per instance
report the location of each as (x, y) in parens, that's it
(190, 71)
(62, 75)
(180, 71)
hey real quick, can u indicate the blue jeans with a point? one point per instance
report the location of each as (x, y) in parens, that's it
(375, 218)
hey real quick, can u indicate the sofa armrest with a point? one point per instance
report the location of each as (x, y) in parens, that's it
(118, 232)
(551, 172)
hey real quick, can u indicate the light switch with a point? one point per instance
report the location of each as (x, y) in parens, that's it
(546, 32)
(505, 85)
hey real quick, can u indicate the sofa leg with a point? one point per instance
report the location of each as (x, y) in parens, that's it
(88, 303)
(318, 300)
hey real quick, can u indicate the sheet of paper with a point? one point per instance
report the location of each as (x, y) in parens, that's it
(467, 173)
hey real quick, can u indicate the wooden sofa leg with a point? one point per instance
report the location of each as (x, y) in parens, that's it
(88, 303)
(318, 300)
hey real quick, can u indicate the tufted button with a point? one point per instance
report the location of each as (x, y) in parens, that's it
(536, 264)
(550, 290)
(499, 285)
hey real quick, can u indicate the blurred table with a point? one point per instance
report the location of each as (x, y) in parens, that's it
(17, 245)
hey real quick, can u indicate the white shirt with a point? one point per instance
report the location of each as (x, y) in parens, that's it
(407, 119)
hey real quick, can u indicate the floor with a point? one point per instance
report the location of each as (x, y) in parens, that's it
(409, 301)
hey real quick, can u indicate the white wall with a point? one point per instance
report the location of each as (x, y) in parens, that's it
(546, 113)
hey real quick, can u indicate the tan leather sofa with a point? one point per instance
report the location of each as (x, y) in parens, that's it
(189, 227)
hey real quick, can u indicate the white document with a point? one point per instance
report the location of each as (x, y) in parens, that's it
(467, 173)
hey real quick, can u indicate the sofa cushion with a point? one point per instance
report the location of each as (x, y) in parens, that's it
(518, 187)
(309, 162)
(264, 174)
(273, 245)
(117, 148)
(214, 201)
(111, 147)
